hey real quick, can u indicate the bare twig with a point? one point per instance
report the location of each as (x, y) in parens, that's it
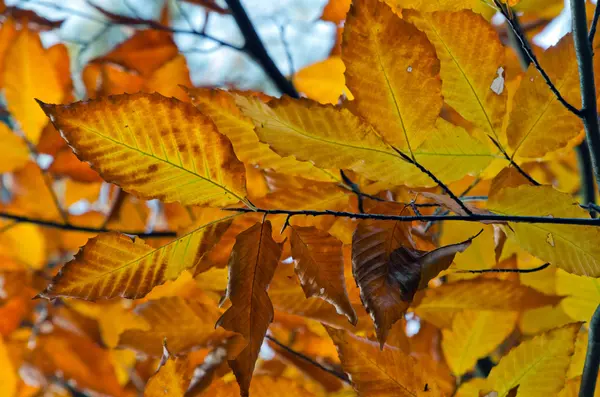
(532, 270)
(592, 358)
(513, 163)
(594, 25)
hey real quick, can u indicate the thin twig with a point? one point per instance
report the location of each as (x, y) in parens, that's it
(594, 25)
(341, 376)
(441, 184)
(507, 14)
(255, 47)
(513, 163)
(86, 229)
(425, 218)
(532, 270)
(586, 172)
(592, 358)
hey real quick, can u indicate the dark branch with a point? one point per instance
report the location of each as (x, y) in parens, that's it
(441, 184)
(592, 358)
(514, 164)
(594, 26)
(86, 229)
(532, 270)
(255, 48)
(586, 172)
(503, 8)
(426, 218)
(341, 376)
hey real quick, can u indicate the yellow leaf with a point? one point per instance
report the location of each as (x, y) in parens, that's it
(114, 264)
(437, 305)
(167, 79)
(8, 375)
(153, 147)
(319, 264)
(571, 248)
(472, 75)
(28, 74)
(172, 378)
(263, 385)
(252, 265)
(536, 110)
(537, 366)
(479, 6)
(332, 137)
(582, 295)
(393, 73)
(26, 243)
(386, 372)
(323, 81)
(14, 153)
(8, 32)
(186, 324)
(474, 335)
(220, 106)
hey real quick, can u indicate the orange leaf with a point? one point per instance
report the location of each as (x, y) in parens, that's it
(171, 379)
(319, 264)
(252, 265)
(389, 271)
(168, 79)
(67, 164)
(385, 372)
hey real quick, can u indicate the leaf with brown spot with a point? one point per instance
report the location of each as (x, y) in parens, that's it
(186, 324)
(153, 147)
(385, 372)
(252, 265)
(389, 271)
(114, 264)
(319, 264)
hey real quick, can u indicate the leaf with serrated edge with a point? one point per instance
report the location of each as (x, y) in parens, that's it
(319, 264)
(114, 264)
(537, 366)
(252, 264)
(154, 147)
(186, 324)
(393, 72)
(572, 248)
(387, 372)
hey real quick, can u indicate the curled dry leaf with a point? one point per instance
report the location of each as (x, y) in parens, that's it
(252, 265)
(389, 270)
(319, 264)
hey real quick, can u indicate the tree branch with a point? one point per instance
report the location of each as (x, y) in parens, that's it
(86, 229)
(592, 358)
(594, 26)
(588, 188)
(255, 48)
(532, 270)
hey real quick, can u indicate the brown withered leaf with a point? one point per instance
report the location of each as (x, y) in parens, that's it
(186, 324)
(252, 265)
(385, 372)
(319, 264)
(389, 270)
(114, 264)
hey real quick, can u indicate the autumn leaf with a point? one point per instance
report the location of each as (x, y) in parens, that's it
(323, 81)
(537, 366)
(251, 267)
(14, 153)
(389, 270)
(153, 147)
(114, 264)
(186, 324)
(172, 377)
(571, 248)
(28, 74)
(384, 372)
(393, 72)
(472, 75)
(8, 375)
(262, 386)
(319, 264)
(221, 107)
(444, 5)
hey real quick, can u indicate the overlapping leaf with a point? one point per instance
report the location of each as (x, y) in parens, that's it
(252, 264)
(386, 372)
(14, 153)
(171, 379)
(571, 248)
(537, 366)
(154, 147)
(393, 72)
(114, 264)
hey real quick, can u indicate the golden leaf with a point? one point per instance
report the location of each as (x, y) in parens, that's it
(319, 264)
(252, 264)
(14, 153)
(153, 147)
(393, 72)
(570, 247)
(28, 74)
(171, 379)
(537, 366)
(478, 6)
(114, 264)
(8, 375)
(582, 295)
(261, 386)
(385, 372)
(323, 81)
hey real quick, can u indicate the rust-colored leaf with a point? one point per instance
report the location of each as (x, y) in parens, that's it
(252, 265)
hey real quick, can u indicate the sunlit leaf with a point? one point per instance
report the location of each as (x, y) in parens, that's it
(171, 379)
(14, 153)
(153, 147)
(8, 375)
(323, 81)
